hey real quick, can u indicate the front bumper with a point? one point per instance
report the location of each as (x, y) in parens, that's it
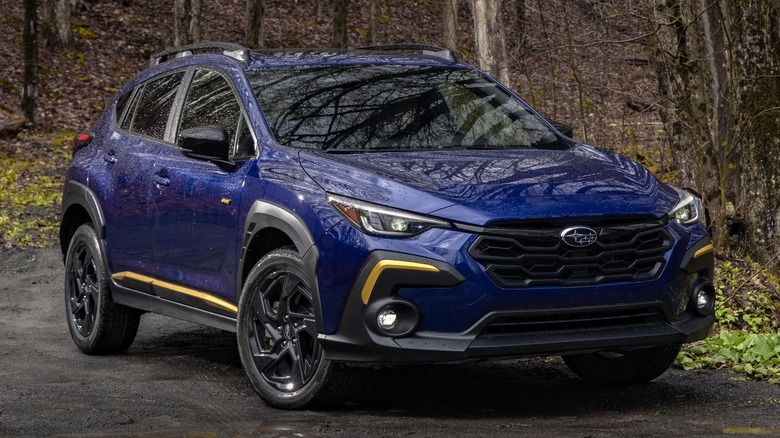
(561, 327)
(369, 347)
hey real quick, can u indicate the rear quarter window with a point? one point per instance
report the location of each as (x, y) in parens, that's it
(121, 105)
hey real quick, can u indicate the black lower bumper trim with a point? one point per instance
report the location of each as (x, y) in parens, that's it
(437, 347)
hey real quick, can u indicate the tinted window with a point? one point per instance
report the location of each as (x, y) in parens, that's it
(121, 104)
(210, 101)
(127, 118)
(245, 146)
(391, 107)
(154, 106)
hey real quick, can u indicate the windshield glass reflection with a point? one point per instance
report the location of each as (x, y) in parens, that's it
(356, 108)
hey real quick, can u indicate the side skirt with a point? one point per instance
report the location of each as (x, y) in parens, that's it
(152, 303)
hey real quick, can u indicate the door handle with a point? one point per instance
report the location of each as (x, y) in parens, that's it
(161, 181)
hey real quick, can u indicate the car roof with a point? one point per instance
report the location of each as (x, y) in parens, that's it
(405, 54)
(294, 57)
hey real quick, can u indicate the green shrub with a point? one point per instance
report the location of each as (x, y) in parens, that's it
(746, 336)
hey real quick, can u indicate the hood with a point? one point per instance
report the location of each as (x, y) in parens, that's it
(482, 187)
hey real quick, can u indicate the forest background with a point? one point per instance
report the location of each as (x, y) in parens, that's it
(689, 88)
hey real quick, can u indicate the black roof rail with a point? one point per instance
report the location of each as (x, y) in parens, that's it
(426, 49)
(233, 50)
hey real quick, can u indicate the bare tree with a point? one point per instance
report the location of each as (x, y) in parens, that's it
(56, 22)
(186, 15)
(489, 37)
(253, 33)
(450, 24)
(520, 23)
(30, 78)
(340, 23)
(684, 97)
(718, 69)
(756, 49)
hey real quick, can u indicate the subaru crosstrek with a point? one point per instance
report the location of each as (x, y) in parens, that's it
(371, 207)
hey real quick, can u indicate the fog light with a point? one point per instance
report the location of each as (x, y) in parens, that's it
(393, 317)
(704, 299)
(387, 319)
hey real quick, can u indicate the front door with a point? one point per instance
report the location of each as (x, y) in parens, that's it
(195, 223)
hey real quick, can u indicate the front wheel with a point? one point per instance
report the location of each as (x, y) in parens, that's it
(277, 338)
(624, 367)
(97, 324)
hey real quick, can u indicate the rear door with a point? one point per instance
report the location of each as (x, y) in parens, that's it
(129, 162)
(195, 222)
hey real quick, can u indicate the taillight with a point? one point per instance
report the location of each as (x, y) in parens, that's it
(81, 140)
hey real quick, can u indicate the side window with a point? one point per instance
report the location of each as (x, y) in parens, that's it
(154, 106)
(210, 101)
(127, 119)
(121, 104)
(245, 146)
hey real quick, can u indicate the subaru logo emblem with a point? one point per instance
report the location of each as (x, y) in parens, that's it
(579, 237)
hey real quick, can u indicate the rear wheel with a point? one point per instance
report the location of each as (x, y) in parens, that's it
(624, 367)
(97, 325)
(278, 338)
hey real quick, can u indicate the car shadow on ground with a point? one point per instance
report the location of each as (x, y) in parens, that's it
(508, 388)
(514, 388)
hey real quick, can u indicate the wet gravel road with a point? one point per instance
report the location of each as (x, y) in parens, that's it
(180, 379)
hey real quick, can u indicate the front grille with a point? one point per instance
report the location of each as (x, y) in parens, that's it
(534, 254)
(576, 320)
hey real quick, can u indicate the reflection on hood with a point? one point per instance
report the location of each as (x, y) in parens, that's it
(490, 186)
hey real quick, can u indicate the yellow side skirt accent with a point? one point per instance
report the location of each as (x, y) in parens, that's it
(209, 299)
(704, 250)
(368, 288)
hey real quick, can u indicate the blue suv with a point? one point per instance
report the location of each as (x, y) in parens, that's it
(371, 207)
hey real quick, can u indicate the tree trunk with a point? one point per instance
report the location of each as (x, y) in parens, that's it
(450, 24)
(253, 33)
(340, 23)
(757, 47)
(30, 77)
(721, 184)
(688, 108)
(520, 24)
(56, 22)
(721, 111)
(186, 15)
(373, 10)
(197, 12)
(489, 38)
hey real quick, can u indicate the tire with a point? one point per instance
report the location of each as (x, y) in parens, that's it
(97, 325)
(278, 338)
(625, 367)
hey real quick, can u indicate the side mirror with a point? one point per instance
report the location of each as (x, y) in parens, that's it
(208, 142)
(566, 130)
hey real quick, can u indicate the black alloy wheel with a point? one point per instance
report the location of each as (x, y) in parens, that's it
(83, 290)
(97, 324)
(282, 333)
(277, 338)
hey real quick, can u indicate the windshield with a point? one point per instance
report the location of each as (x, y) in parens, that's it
(357, 108)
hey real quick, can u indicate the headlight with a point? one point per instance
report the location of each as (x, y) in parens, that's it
(382, 221)
(688, 209)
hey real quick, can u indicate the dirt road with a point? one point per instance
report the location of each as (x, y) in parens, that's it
(179, 379)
